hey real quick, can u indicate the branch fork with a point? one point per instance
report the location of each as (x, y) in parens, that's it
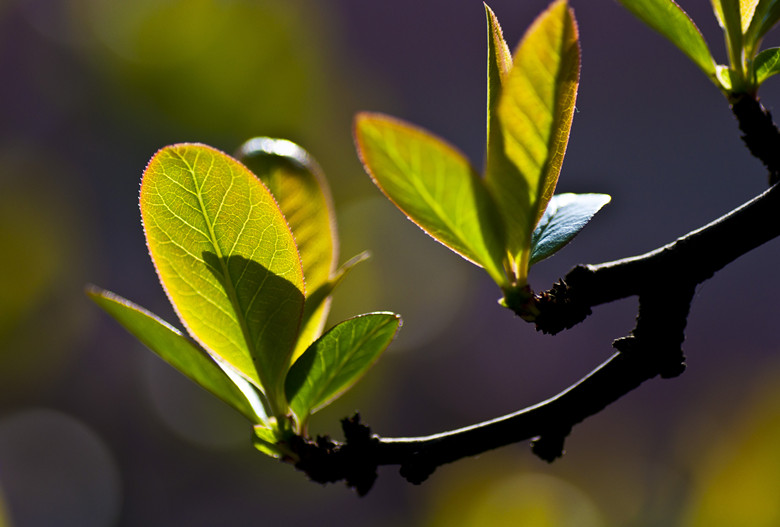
(664, 280)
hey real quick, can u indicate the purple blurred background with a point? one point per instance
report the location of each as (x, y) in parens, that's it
(95, 430)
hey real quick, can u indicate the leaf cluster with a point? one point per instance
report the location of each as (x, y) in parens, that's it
(506, 218)
(744, 24)
(247, 260)
(246, 248)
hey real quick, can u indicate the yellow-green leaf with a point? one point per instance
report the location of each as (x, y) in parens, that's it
(747, 9)
(178, 351)
(499, 65)
(435, 186)
(765, 16)
(266, 440)
(226, 259)
(299, 187)
(728, 13)
(298, 184)
(535, 113)
(668, 18)
(767, 63)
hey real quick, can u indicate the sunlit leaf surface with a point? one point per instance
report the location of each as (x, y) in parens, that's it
(766, 64)
(300, 190)
(729, 18)
(265, 440)
(535, 112)
(435, 186)
(178, 351)
(227, 260)
(299, 187)
(499, 65)
(765, 16)
(337, 360)
(747, 9)
(668, 18)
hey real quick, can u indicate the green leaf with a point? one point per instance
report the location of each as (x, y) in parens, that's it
(747, 9)
(318, 303)
(728, 13)
(565, 216)
(724, 76)
(766, 64)
(535, 114)
(227, 261)
(499, 65)
(302, 193)
(766, 15)
(266, 441)
(668, 18)
(435, 186)
(337, 360)
(178, 351)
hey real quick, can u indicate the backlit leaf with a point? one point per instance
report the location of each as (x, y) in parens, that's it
(535, 113)
(747, 9)
(499, 65)
(318, 304)
(299, 187)
(766, 15)
(181, 353)
(337, 360)
(766, 64)
(564, 218)
(668, 18)
(266, 441)
(728, 13)
(435, 186)
(227, 260)
(723, 74)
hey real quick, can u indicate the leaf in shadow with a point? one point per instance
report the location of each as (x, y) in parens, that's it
(301, 191)
(337, 360)
(263, 303)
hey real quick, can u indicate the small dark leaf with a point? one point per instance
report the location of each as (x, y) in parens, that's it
(563, 219)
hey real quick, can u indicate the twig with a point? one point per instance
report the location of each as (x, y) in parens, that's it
(664, 280)
(761, 136)
(691, 259)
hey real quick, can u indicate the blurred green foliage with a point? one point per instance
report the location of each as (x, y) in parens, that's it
(212, 67)
(44, 254)
(737, 481)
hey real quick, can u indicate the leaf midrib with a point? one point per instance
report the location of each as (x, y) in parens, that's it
(229, 286)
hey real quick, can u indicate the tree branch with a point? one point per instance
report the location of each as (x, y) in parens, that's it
(691, 259)
(664, 280)
(761, 135)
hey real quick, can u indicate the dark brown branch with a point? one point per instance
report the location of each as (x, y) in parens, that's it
(641, 356)
(761, 136)
(691, 259)
(664, 280)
